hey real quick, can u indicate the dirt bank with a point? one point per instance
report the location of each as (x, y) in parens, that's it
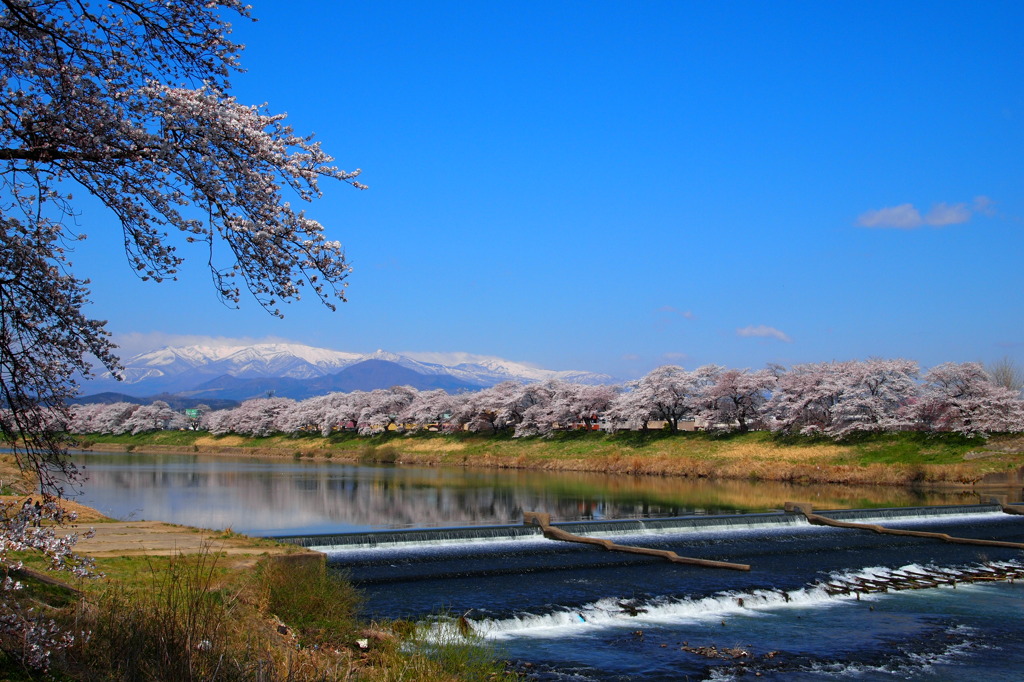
(899, 460)
(110, 538)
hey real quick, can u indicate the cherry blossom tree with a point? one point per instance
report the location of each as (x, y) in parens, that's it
(962, 397)
(82, 418)
(538, 409)
(670, 393)
(156, 416)
(736, 399)
(345, 413)
(427, 408)
(587, 403)
(521, 405)
(257, 417)
(805, 397)
(44, 340)
(311, 415)
(544, 408)
(129, 102)
(102, 418)
(25, 634)
(491, 409)
(629, 410)
(383, 408)
(876, 396)
(464, 411)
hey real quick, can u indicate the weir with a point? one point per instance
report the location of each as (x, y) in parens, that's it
(678, 524)
(480, 534)
(703, 524)
(420, 536)
(902, 513)
(819, 520)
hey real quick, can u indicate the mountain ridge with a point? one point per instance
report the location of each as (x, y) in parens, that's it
(238, 372)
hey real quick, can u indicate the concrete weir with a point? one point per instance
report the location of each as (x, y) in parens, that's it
(914, 579)
(543, 520)
(816, 519)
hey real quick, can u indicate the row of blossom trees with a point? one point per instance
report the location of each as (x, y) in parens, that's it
(833, 399)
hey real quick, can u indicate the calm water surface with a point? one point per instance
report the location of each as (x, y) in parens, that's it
(295, 497)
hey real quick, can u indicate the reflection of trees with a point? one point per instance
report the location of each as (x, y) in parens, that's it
(287, 495)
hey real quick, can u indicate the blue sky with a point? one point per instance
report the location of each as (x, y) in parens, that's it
(611, 186)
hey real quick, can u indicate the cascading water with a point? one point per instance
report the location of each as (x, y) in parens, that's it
(903, 514)
(579, 612)
(414, 538)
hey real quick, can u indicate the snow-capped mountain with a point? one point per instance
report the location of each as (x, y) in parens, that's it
(262, 360)
(298, 371)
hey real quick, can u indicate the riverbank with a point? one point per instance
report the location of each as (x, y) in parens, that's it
(175, 602)
(941, 460)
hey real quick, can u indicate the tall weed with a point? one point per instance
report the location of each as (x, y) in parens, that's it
(173, 628)
(318, 604)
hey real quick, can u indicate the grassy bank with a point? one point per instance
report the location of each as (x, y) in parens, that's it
(888, 459)
(210, 616)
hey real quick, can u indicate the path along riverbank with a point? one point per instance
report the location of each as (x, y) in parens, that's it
(938, 460)
(102, 537)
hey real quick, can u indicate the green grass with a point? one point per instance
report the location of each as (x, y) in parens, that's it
(318, 603)
(628, 452)
(913, 448)
(163, 438)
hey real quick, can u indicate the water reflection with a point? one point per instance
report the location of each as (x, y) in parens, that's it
(289, 497)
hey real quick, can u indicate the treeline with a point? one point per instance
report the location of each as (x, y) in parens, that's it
(833, 399)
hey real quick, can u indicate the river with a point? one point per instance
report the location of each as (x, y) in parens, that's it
(571, 612)
(294, 496)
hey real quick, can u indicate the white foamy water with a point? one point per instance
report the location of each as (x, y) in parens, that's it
(619, 613)
(356, 552)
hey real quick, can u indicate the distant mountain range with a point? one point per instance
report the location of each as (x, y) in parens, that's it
(297, 371)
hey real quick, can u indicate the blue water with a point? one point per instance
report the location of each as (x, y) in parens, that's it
(572, 612)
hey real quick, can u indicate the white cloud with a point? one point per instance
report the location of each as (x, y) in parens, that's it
(984, 206)
(763, 331)
(907, 217)
(687, 314)
(453, 358)
(944, 214)
(675, 357)
(904, 216)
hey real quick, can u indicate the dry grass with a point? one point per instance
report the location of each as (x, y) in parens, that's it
(774, 453)
(433, 446)
(221, 441)
(201, 615)
(1007, 444)
(895, 460)
(13, 479)
(812, 464)
(85, 514)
